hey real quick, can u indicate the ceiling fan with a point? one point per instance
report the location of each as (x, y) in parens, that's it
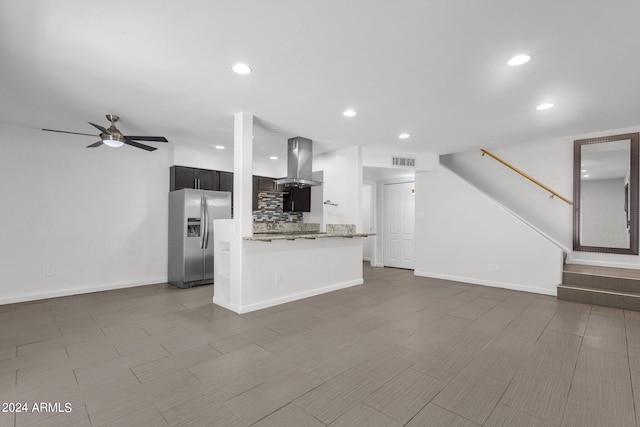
(114, 138)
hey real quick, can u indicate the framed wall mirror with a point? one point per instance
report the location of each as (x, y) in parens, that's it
(605, 194)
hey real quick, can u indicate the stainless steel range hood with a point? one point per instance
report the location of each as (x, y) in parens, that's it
(299, 164)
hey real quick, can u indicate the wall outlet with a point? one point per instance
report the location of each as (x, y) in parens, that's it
(278, 278)
(492, 267)
(497, 267)
(50, 271)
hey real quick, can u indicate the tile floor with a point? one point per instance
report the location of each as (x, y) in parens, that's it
(398, 350)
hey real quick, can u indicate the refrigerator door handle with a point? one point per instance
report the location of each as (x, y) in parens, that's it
(206, 217)
(203, 223)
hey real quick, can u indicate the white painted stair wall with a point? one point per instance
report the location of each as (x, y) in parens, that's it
(553, 166)
(473, 239)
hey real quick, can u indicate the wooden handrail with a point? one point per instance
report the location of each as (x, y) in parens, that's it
(553, 193)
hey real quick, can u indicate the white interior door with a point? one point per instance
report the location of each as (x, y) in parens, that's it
(399, 221)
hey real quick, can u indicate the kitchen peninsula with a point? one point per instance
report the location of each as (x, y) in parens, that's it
(253, 271)
(295, 264)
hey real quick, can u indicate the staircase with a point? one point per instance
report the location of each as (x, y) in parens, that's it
(609, 287)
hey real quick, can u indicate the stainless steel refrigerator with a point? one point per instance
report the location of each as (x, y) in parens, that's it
(191, 215)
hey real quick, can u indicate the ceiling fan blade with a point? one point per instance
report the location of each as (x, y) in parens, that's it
(138, 145)
(100, 128)
(95, 144)
(148, 138)
(64, 131)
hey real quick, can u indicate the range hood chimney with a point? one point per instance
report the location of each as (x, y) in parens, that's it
(299, 164)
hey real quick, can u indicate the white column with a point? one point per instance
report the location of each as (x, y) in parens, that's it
(359, 182)
(242, 199)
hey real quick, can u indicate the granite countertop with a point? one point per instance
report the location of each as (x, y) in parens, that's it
(269, 232)
(267, 237)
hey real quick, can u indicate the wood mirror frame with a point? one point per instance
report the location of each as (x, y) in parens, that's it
(632, 201)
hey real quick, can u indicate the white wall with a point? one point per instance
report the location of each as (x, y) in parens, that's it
(97, 218)
(463, 235)
(342, 183)
(315, 216)
(382, 158)
(222, 160)
(270, 168)
(550, 162)
(201, 158)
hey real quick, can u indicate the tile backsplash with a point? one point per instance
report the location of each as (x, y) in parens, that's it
(270, 209)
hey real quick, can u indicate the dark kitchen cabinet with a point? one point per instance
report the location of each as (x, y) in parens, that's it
(297, 200)
(267, 184)
(184, 177)
(207, 179)
(225, 183)
(254, 193)
(181, 177)
(261, 183)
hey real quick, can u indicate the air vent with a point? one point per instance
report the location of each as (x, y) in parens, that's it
(404, 161)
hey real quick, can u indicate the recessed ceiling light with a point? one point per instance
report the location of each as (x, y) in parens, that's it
(273, 158)
(583, 170)
(220, 147)
(585, 176)
(544, 106)
(241, 68)
(404, 136)
(349, 113)
(519, 60)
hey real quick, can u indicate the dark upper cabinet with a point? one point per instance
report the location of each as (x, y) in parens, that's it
(297, 200)
(254, 193)
(184, 177)
(261, 183)
(208, 179)
(225, 183)
(267, 184)
(181, 177)
(294, 199)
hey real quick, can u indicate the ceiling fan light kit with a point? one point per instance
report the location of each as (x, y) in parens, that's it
(112, 137)
(111, 141)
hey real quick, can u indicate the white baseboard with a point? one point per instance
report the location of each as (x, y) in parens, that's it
(225, 304)
(491, 283)
(78, 291)
(366, 258)
(288, 298)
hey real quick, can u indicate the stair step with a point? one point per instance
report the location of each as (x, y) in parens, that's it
(603, 297)
(601, 281)
(606, 286)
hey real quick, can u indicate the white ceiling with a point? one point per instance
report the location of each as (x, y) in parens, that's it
(435, 69)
